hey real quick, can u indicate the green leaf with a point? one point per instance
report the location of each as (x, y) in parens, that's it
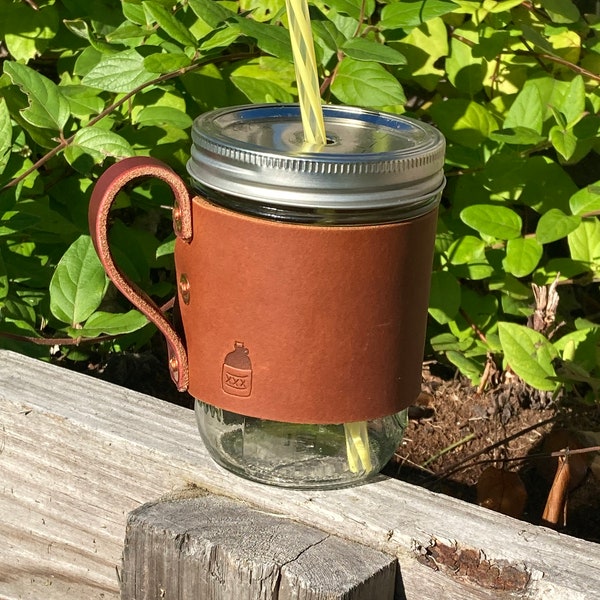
(128, 34)
(83, 101)
(555, 225)
(166, 63)
(411, 13)
(467, 366)
(48, 108)
(345, 25)
(366, 84)
(446, 341)
(78, 284)
(5, 135)
(26, 32)
(499, 6)
(221, 38)
(565, 267)
(573, 102)
(265, 79)
(520, 136)
(166, 248)
(211, 12)
(371, 51)
(496, 221)
(464, 122)
(14, 221)
(584, 243)
(98, 144)
(106, 323)
(547, 185)
(526, 111)
(162, 116)
(175, 29)
(529, 355)
(19, 311)
(423, 68)
(465, 250)
(353, 8)
(465, 71)
(4, 284)
(270, 39)
(522, 256)
(564, 142)
(561, 11)
(467, 258)
(262, 10)
(119, 73)
(586, 200)
(444, 296)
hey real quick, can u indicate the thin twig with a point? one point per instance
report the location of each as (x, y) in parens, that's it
(54, 341)
(437, 455)
(44, 341)
(474, 326)
(569, 451)
(460, 464)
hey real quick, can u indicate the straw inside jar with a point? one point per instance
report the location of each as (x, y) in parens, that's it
(309, 96)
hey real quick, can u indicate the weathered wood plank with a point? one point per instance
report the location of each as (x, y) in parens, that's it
(79, 454)
(215, 548)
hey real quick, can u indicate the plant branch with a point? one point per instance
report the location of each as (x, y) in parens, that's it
(64, 142)
(70, 341)
(44, 341)
(474, 326)
(539, 56)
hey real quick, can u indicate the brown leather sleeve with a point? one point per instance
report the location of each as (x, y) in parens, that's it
(305, 323)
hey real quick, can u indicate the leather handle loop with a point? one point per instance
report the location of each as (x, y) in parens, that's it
(107, 187)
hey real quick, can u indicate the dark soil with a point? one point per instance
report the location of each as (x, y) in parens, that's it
(455, 433)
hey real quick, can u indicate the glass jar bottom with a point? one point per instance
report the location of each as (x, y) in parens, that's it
(302, 456)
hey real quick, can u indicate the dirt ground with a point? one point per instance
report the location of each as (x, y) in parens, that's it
(456, 433)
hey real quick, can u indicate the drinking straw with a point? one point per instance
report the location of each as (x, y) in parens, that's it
(357, 447)
(311, 111)
(307, 80)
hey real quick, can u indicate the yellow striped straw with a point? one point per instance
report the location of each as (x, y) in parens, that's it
(303, 48)
(307, 78)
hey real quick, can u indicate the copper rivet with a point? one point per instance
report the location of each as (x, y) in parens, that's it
(184, 288)
(177, 223)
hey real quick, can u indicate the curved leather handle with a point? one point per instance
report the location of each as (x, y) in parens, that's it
(103, 195)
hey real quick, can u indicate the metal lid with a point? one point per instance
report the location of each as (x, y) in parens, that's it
(371, 160)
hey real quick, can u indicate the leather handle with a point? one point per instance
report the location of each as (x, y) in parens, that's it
(110, 183)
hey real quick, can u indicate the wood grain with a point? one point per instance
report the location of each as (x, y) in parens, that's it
(215, 548)
(77, 455)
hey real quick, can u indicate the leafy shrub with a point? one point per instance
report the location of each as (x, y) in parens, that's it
(513, 85)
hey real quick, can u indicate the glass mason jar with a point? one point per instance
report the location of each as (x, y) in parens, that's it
(376, 169)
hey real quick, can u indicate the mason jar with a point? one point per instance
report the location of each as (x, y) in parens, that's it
(379, 177)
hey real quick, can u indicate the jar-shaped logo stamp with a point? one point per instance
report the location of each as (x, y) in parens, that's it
(237, 372)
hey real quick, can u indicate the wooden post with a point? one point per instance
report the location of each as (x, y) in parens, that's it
(215, 548)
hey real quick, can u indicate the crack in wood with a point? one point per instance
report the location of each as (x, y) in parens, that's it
(309, 547)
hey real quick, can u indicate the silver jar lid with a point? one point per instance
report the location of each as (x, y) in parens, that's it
(372, 159)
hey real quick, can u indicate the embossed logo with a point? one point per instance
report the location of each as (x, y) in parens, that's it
(236, 377)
